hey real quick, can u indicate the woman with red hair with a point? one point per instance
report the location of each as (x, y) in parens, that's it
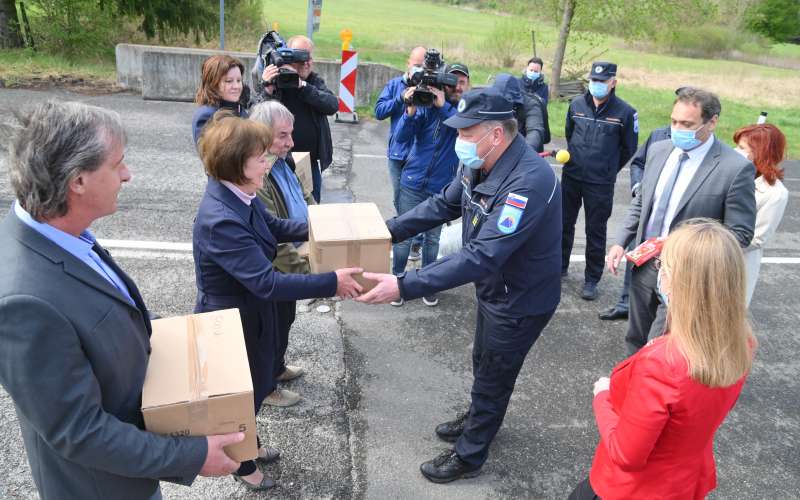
(765, 146)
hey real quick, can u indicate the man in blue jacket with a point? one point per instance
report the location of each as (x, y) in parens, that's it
(431, 163)
(390, 105)
(602, 132)
(509, 200)
(533, 79)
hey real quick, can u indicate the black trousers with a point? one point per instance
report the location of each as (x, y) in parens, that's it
(647, 316)
(597, 200)
(584, 491)
(286, 315)
(501, 344)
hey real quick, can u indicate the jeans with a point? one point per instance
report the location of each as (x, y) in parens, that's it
(395, 169)
(408, 199)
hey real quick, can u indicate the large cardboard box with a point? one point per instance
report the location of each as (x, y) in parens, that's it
(198, 380)
(348, 235)
(302, 168)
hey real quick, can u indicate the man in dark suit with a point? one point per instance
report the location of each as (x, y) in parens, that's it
(74, 331)
(693, 175)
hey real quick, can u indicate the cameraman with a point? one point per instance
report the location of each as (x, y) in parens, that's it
(310, 104)
(431, 163)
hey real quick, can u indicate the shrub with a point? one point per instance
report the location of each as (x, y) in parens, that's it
(709, 41)
(74, 27)
(776, 19)
(509, 38)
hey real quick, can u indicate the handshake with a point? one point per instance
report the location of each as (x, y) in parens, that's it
(385, 291)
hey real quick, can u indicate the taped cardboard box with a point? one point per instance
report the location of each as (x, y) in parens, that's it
(198, 380)
(348, 235)
(302, 168)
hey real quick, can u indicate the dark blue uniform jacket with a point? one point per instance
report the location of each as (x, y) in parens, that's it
(600, 140)
(638, 160)
(512, 254)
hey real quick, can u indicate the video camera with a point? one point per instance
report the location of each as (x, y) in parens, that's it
(431, 74)
(273, 50)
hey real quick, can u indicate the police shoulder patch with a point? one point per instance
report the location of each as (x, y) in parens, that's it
(636, 122)
(509, 219)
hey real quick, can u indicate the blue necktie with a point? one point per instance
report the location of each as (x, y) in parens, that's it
(654, 229)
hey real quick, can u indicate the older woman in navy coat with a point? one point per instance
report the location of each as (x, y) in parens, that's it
(235, 240)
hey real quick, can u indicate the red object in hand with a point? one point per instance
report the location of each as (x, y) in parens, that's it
(646, 251)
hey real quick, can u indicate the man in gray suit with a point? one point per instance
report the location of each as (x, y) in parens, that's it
(74, 331)
(693, 175)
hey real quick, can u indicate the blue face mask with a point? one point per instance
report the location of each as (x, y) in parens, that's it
(467, 152)
(532, 75)
(685, 139)
(599, 90)
(663, 296)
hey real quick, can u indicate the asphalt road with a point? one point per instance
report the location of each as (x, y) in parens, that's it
(380, 378)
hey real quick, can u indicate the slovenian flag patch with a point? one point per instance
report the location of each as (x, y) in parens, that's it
(516, 200)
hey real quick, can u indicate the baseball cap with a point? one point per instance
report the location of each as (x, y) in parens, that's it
(480, 105)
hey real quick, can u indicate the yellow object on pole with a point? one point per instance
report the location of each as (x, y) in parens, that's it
(562, 156)
(347, 36)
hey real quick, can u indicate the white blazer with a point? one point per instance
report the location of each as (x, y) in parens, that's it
(770, 203)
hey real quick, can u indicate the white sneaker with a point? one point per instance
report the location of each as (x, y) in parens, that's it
(397, 303)
(431, 301)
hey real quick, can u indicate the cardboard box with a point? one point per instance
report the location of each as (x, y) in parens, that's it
(348, 235)
(302, 168)
(198, 380)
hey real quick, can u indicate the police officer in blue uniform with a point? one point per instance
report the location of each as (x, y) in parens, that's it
(602, 132)
(510, 202)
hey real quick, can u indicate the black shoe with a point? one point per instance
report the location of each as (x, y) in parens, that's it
(613, 313)
(448, 467)
(450, 431)
(589, 291)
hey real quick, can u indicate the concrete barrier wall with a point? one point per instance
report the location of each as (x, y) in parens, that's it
(173, 73)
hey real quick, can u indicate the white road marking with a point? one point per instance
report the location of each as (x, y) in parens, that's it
(136, 249)
(369, 156)
(147, 245)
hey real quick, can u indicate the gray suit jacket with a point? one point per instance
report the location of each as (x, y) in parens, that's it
(722, 189)
(73, 355)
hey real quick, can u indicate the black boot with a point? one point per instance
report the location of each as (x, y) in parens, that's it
(448, 467)
(450, 431)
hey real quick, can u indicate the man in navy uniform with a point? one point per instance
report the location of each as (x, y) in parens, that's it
(509, 200)
(602, 132)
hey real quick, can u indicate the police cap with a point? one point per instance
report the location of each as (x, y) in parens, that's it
(602, 70)
(480, 105)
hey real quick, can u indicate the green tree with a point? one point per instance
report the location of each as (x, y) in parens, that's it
(10, 34)
(776, 19)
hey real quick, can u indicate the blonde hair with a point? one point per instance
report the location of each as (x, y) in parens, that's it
(707, 315)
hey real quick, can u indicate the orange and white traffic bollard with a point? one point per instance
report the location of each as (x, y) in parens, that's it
(347, 81)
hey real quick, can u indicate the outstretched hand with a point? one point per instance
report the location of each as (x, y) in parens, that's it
(384, 292)
(346, 286)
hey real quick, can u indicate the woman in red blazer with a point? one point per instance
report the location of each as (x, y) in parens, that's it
(658, 412)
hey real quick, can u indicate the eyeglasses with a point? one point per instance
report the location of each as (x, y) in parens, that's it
(657, 263)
